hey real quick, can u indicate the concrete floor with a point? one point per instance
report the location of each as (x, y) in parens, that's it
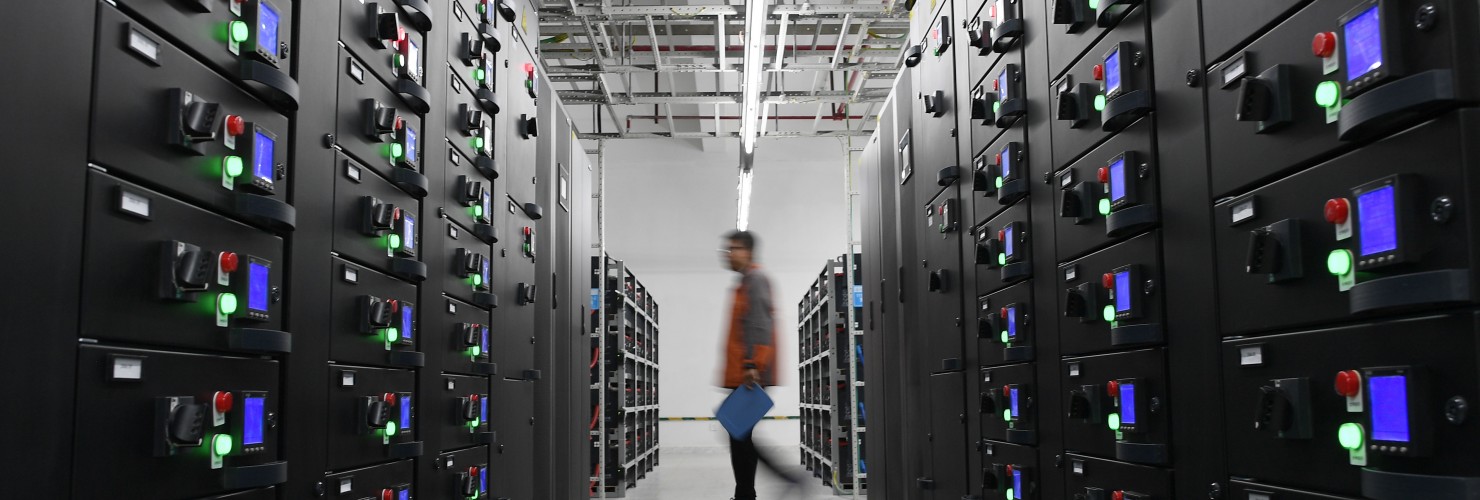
(704, 474)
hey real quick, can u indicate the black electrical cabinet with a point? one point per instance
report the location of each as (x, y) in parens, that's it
(291, 249)
(1199, 250)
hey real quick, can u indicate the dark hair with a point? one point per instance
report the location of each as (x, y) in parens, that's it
(744, 238)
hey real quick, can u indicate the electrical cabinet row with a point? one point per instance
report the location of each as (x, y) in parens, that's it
(297, 262)
(624, 379)
(1145, 249)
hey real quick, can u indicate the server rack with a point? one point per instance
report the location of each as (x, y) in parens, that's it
(624, 379)
(830, 343)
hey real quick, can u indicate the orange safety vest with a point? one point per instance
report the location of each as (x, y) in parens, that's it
(764, 355)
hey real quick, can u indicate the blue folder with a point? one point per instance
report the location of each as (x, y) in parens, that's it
(744, 408)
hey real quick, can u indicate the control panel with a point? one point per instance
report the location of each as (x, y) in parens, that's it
(468, 400)
(1117, 406)
(1006, 326)
(373, 416)
(1112, 291)
(375, 319)
(1003, 249)
(1107, 195)
(1008, 404)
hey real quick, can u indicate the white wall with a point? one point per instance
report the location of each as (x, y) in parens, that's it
(668, 203)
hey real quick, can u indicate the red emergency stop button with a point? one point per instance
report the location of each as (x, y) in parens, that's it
(229, 262)
(1107, 280)
(996, 85)
(1348, 383)
(390, 398)
(1004, 312)
(1099, 72)
(998, 158)
(1112, 388)
(1324, 44)
(387, 494)
(1117, 495)
(1337, 210)
(1006, 391)
(235, 125)
(1104, 175)
(1002, 235)
(223, 401)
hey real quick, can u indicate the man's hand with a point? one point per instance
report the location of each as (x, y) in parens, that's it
(752, 376)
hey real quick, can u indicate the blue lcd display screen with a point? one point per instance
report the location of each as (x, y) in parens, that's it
(262, 151)
(410, 144)
(1007, 239)
(1377, 221)
(1363, 44)
(1123, 291)
(485, 339)
(1006, 163)
(408, 320)
(1017, 483)
(486, 277)
(1112, 72)
(404, 495)
(1012, 322)
(1014, 396)
(1002, 86)
(483, 411)
(1389, 408)
(483, 479)
(267, 28)
(257, 286)
(252, 420)
(1117, 179)
(405, 412)
(408, 231)
(1128, 403)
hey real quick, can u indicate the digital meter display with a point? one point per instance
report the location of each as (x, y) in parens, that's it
(484, 344)
(1017, 483)
(252, 421)
(410, 144)
(1012, 322)
(1377, 221)
(1112, 72)
(1014, 396)
(483, 479)
(262, 151)
(405, 412)
(413, 59)
(408, 320)
(404, 495)
(1117, 179)
(483, 411)
(1389, 408)
(257, 274)
(1128, 403)
(1122, 291)
(1002, 86)
(267, 28)
(1006, 165)
(1363, 44)
(1007, 239)
(408, 230)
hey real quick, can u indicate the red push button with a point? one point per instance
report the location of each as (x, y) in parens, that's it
(1104, 174)
(387, 494)
(1117, 495)
(235, 125)
(1004, 313)
(1107, 280)
(223, 401)
(229, 262)
(1112, 388)
(1337, 209)
(390, 398)
(998, 158)
(1348, 383)
(1002, 235)
(1324, 44)
(1099, 72)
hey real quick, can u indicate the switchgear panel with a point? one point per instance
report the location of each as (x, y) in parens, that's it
(1372, 231)
(468, 339)
(998, 102)
(1011, 471)
(375, 319)
(468, 405)
(1115, 291)
(209, 423)
(1076, 25)
(376, 224)
(1108, 195)
(394, 481)
(373, 416)
(379, 129)
(390, 42)
(1093, 478)
(514, 420)
(197, 272)
(1117, 406)
(469, 271)
(1008, 403)
(1007, 326)
(1105, 91)
(1003, 249)
(462, 473)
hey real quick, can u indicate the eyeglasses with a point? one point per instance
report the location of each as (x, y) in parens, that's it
(730, 250)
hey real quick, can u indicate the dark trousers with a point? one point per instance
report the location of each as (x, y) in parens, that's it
(744, 457)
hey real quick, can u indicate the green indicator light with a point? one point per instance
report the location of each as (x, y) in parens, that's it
(226, 303)
(400, 60)
(1004, 337)
(999, 182)
(221, 444)
(1104, 206)
(1113, 421)
(1327, 93)
(397, 150)
(1009, 494)
(996, 106)
(1109, 313)
(477, 280)
(475, 351)
(1001, 259)
(390, 427)
(1006, 415)
(477, 143)
(477, 210)
(1094, 4)
(392, 334)
(232, 165)
(481, 8)
(1350, 435)
(393, 241)
(1100, 103)
(1339, 262)
(474, 423)
(239, 31)
(478, 74)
